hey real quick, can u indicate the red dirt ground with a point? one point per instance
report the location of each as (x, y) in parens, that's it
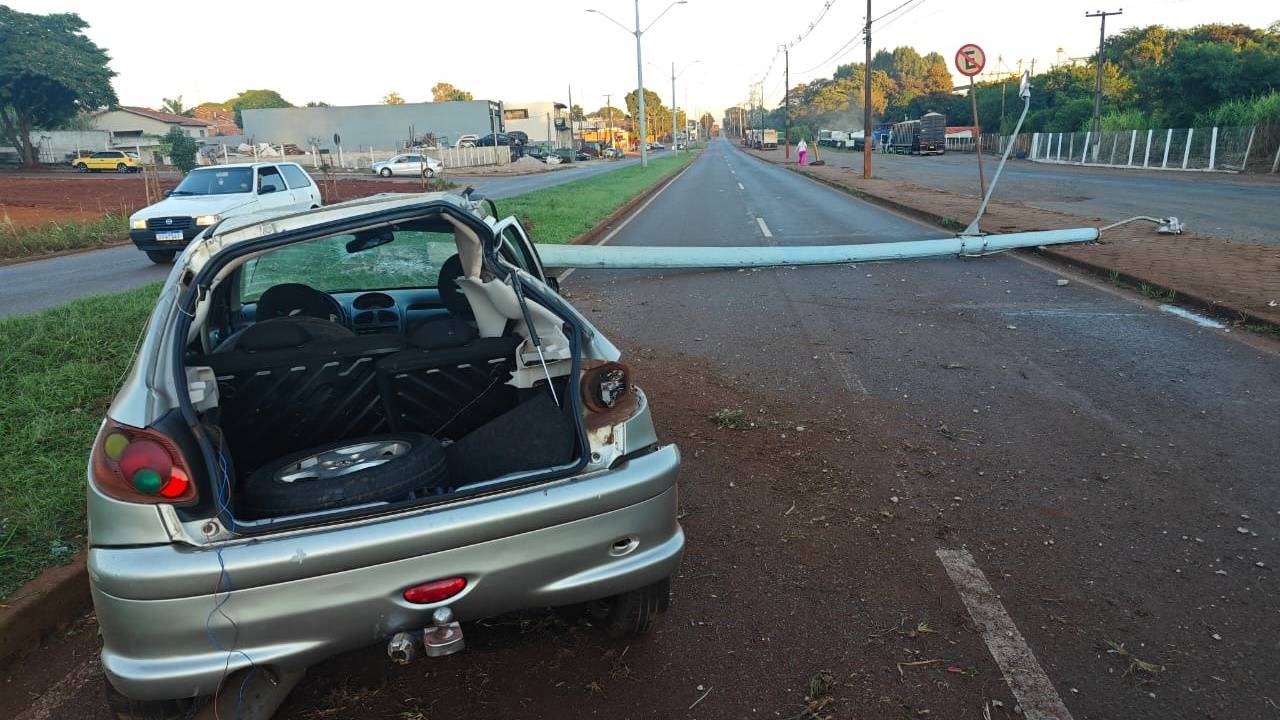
(29, 201)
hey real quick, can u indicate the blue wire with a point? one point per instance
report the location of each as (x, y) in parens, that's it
(224, 583)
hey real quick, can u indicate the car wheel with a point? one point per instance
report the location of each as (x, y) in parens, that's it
(385, 172)
(360, 470)
(122, 168)
(430, 173)
(82, 168)
(634, 613)
(161, 257)
(124, 708)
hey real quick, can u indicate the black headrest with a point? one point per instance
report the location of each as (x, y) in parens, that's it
(444, 332)
(284, 334)
(450, 294)
(292, 300)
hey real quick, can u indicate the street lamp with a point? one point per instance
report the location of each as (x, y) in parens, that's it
(644, 145)
(675, 75)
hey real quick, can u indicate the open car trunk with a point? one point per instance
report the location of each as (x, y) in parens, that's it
(318, 415)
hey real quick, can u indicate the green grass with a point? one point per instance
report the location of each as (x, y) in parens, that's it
(60, 367)
(562, 213)
(28, 241)
(58, 372)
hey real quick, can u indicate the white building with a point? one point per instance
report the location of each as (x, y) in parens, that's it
(139, 126)
(543, 121)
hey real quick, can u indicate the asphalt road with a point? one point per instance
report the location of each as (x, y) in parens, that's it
(28, 287)
(944, 479)
(1245, 208)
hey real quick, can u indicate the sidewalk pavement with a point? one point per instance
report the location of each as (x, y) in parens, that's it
(1238, 280)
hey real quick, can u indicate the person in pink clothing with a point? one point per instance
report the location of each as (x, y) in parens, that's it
(802, 152)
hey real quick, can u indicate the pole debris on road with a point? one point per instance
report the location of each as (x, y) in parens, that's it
(657, 258)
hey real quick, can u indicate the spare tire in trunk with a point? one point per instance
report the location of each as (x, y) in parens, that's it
(379, 468)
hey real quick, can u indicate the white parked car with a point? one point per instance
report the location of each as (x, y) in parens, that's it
(466, 140)
(413, 164)
(208, 195)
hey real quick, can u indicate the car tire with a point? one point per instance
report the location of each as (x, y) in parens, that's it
(82, 168)
(317, 478)
(385, 172)
(162, 257)
(124, 708)
(122, 168)
(634, 613)
(429, 173)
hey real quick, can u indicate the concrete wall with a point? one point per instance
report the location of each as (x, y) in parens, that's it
(380, 126)
(55, 145)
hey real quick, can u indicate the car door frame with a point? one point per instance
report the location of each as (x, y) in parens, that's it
(271, 206)
(303, 196)
(527, 248)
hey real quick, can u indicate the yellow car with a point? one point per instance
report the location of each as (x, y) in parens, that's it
(117, 160)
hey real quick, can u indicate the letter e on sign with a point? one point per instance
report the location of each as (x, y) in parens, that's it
(970, 60)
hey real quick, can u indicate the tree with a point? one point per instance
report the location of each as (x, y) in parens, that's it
(180, 148)
(444, 92)
(392, 98)
(49, 73)
(317, 103)
(576, 113)
(255, 100)
(174, 105)
(654, 111)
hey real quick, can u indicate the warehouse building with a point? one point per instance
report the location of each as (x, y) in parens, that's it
(378, 126)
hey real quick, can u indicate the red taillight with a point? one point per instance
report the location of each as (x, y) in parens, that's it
(139, 465)
(435, 591)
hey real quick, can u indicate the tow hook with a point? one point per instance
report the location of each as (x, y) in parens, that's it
(443, 637)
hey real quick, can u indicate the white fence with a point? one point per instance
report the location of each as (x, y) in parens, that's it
(1202, 149)
(361, 158)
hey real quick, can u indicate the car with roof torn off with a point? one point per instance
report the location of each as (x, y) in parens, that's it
(365, 423)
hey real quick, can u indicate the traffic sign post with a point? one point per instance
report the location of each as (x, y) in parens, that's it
(970, 59)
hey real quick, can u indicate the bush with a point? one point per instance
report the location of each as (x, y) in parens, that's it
(180, 148)
(1234, 113)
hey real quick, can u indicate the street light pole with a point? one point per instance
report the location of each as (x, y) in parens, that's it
(1097, 91)
(638, 32)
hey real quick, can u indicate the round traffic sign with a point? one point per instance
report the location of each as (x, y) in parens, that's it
(970, 59)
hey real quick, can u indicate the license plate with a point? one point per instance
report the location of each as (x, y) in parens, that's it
(166, 235)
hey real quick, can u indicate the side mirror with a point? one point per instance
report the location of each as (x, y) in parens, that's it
(266, 189)
(167, 193)
(1024, 87)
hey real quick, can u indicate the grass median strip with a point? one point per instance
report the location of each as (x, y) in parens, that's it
(561, 213)
(60, 368)
(30, 241)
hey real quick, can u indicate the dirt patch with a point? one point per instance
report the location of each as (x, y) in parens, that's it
(36, 200)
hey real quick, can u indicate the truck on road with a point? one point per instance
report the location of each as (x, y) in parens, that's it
(768, 139)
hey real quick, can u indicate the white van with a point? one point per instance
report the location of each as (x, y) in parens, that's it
(209, 194)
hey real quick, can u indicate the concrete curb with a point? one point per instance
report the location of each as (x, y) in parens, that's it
(42, 607)
(1213, 307)
(55, 598)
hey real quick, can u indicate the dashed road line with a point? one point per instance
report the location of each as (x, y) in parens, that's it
(763, 228)
(740, 187)
(1027, 680)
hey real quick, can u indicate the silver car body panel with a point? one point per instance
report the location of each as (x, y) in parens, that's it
(306, 593)
(295, 623)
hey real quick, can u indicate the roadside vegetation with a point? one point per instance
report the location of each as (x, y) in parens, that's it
(58, 372)
(1153, 77)
(61, 367)
(30, 241)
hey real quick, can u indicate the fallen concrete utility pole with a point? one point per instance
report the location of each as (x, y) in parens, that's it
(658, 258)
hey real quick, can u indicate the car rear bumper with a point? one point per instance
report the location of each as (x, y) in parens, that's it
(160, 648)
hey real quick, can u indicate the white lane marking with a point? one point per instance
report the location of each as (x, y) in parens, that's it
(62, 691)
(740, 187)
(1196, 318)
(763, 228)
(561, 277)
(1027, 680)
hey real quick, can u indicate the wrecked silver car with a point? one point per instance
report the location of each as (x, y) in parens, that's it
(364, 424)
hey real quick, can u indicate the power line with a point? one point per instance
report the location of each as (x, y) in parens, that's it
(826, 7)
